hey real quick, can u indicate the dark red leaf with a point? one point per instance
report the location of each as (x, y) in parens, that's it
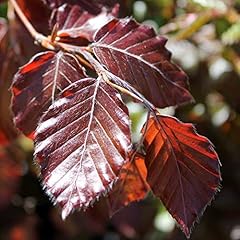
(135, 54)
(82, 143)
(37, 83)
(131, 186)
(78, 26)
(183, 169)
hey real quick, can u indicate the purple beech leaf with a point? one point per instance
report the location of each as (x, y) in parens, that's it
(77, 26)
(183, 169)
(37, 83)
(131, 186)
(135, 54)
(82, 143)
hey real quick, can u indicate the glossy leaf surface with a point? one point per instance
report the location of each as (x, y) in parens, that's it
(183, 169)
(135, 54)
(38, 82)
(82, 142)
(131, 186)
(79, 26)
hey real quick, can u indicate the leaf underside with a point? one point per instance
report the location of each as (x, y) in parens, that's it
(82, 142)
(135, 54)
(38, 82)
(131, 186)
(183, 169)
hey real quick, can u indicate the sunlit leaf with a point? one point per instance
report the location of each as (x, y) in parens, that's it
(37, 83)
(131, 186)
(183, 169)
(82, 142)
(135, 54)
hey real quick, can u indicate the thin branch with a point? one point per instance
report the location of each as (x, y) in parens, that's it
(39, 38)
(201, 20)
(24, 19)
(124, 90)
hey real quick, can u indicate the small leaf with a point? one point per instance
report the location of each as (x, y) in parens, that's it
(37, 83)
(77, 26)
(135, 54)
(183, 169)
(82, 142)
(131, 186)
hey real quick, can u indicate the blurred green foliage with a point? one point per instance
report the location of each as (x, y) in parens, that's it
(3, 10)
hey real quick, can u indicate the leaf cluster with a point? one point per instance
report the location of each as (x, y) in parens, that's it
(68, 99)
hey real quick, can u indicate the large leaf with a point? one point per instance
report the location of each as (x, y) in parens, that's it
(183, 169)
(37, 83)
(82, 142)
(78, 26)
(135, 54)
(131, 186)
